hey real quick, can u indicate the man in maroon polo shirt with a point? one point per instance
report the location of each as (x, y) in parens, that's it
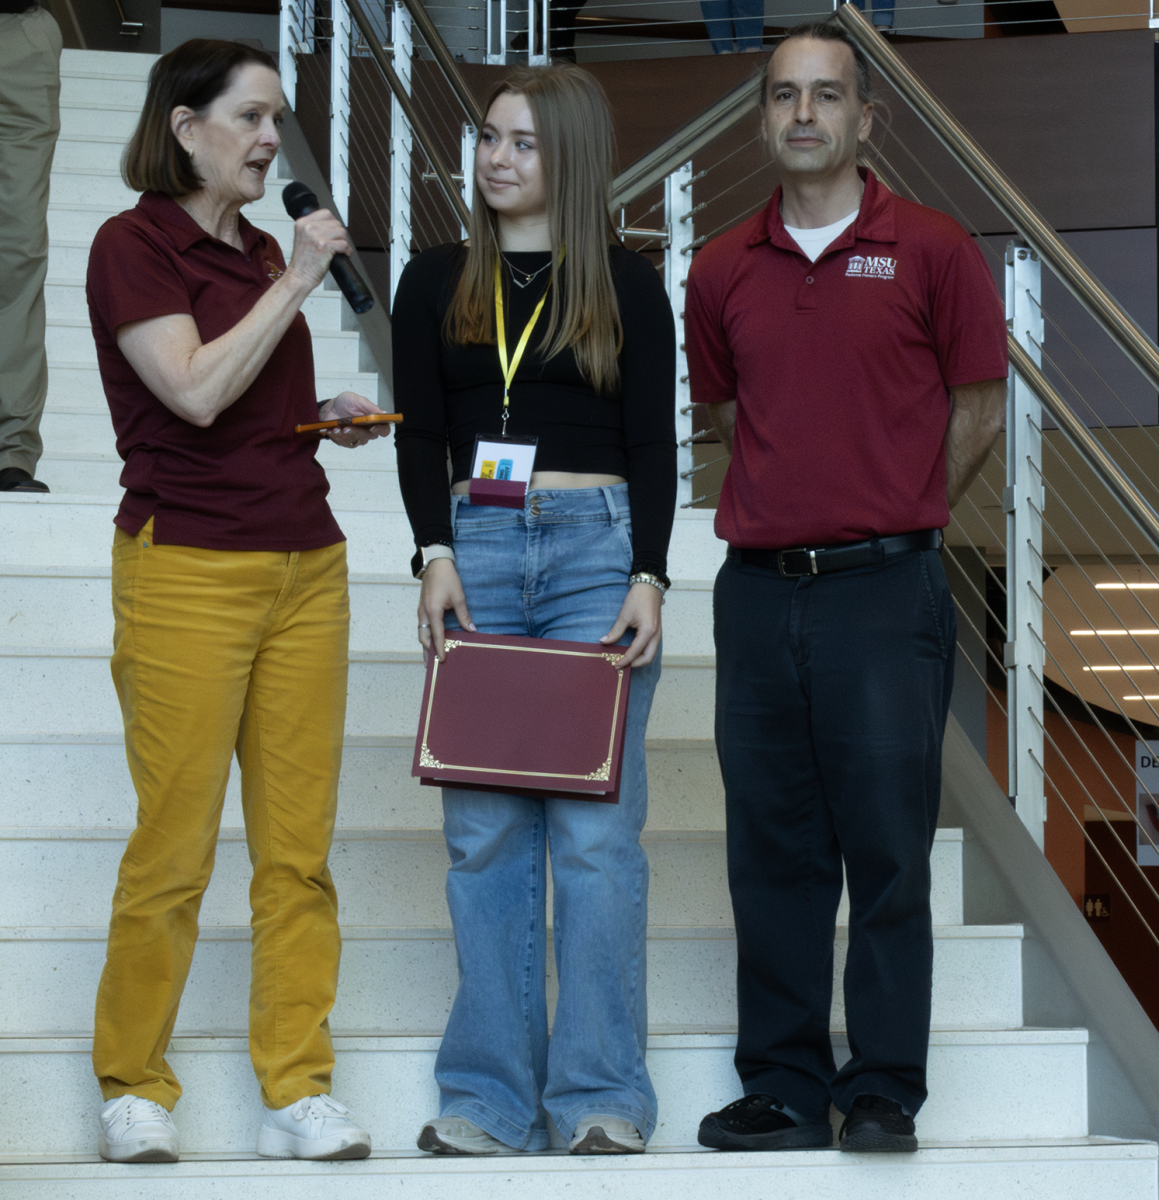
(853, 348)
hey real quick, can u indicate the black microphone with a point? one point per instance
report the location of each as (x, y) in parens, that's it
(300, 202)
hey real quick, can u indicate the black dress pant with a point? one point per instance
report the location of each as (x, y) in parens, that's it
(831, 704)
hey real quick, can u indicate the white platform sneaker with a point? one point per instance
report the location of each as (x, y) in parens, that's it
(136, 1130)
(315, 1127)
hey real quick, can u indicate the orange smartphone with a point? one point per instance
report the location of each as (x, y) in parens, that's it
(339, 422)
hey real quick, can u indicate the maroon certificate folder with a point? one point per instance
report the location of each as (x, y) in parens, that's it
(530, 716)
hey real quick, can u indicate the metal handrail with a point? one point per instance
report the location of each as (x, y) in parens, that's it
(1088, 446)
(128, 28)
(1029, 222)
(434, 156)
(678, 148)
(447, 64)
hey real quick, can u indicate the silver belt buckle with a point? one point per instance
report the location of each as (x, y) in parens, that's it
(796, 574)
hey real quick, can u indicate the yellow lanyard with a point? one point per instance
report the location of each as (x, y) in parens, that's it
(501, 336)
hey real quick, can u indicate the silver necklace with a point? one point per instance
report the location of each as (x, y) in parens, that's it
(528, 276)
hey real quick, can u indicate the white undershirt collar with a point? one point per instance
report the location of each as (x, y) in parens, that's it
(814, 242)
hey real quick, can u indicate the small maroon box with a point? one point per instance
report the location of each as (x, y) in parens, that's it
(506, 493)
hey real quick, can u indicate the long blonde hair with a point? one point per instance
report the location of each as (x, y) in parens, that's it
(576, 142)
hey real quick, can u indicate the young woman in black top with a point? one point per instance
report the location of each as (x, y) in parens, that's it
(583, 560)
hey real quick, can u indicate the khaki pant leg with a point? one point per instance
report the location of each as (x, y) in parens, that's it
(188, 624)
(29, 123)
(291, 754)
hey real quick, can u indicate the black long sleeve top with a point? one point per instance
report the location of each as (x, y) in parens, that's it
(448, 393)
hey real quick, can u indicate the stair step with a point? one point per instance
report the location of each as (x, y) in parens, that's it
(399, 981)
(1010, 1084)
(39, 608)
(68, 258)
(98, 64)
(68, 692)
(94, 150)
(78, 120)
(1059, 1169)
(386, 877)
(100, 91)
(83, 781)
(391, 878)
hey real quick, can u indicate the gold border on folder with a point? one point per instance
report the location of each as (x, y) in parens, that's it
(602, 774)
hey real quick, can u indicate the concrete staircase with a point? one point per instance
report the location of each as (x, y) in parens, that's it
(1008, 1113)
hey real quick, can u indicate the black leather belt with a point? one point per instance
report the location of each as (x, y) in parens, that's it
(823, 560)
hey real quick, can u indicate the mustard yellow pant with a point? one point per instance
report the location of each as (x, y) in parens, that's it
(217, 651)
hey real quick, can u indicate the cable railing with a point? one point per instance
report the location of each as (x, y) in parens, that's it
(496, 31)
(392, 119)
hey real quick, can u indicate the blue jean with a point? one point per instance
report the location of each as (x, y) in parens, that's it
(882, 12)
(558, 568)
(744, 19)
(831, 704)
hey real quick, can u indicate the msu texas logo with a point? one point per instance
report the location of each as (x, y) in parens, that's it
(871, 268)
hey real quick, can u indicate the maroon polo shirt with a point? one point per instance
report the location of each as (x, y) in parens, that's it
(247, 482)
(840, 368)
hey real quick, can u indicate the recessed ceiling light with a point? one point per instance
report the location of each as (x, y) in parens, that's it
(1141, 697)
(1114, 632)
(1130, 587)
(1128, 669)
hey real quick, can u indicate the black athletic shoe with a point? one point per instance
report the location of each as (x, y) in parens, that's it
(877, 1125)
(760, 1123)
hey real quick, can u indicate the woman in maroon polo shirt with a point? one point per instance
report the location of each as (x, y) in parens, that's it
(230, 600)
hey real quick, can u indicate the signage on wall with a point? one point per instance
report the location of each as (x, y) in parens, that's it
(1147, 803)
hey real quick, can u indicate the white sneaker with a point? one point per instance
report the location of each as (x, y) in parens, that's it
(314, 1127)
(136, 1130)
(457, 1135)
(606, 1135)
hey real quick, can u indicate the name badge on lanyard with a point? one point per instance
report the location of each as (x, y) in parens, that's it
(502, 466)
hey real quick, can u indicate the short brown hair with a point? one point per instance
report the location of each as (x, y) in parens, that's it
(192, 76)
(828, 31)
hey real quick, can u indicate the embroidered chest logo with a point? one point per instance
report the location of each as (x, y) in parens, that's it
(274, 272)
(875, 268)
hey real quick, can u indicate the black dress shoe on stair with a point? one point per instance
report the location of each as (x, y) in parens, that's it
(13, 479)
(760, 1122)
(876, 1125)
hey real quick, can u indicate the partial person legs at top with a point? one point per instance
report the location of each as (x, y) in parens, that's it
(30, 46)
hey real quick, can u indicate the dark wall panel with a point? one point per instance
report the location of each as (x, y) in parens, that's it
(1124, 261)
(1086, 163)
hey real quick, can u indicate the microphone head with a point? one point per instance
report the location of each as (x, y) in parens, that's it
(299, 200)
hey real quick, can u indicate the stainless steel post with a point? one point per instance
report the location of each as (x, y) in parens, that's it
(340, 109)
(401, 149)
(677, 260)
(1023, 499)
